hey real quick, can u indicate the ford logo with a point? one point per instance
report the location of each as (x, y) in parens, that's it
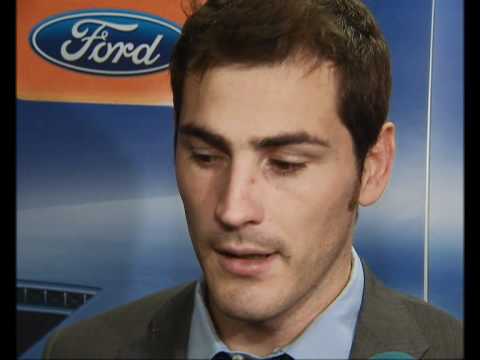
(106, 42)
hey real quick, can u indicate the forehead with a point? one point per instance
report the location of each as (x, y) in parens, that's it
(262, 100)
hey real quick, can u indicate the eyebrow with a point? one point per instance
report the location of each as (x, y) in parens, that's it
(215, 140)
(297, 138)
(275, 141)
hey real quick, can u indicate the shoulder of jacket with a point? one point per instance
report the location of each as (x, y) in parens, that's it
(112, 327)
(443, 332)
(423, 312)
(427, 313)
(405, 315)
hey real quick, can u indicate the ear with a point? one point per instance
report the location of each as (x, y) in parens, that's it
(378, 166)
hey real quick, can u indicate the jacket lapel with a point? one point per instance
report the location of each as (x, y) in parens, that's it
(384, 324)
(167, 334)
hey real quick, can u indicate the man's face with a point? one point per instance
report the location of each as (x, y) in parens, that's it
(267, 173)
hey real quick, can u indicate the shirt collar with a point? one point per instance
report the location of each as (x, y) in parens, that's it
(329, 336)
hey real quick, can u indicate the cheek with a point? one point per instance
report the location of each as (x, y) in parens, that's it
(314, 216)
(187, 184)
(198, 194)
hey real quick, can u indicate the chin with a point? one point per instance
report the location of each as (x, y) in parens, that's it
(247, 312)
(246, 303)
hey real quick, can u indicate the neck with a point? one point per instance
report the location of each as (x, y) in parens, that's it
(264, 337)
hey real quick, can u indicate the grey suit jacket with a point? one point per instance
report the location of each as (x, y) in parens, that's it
(157, 327)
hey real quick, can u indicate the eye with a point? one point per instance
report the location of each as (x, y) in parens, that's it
(204, 159)
(283, 167)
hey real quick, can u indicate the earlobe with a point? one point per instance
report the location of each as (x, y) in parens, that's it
(378, 166)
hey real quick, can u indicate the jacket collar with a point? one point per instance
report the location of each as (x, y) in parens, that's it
(384, 323)
(167, 334)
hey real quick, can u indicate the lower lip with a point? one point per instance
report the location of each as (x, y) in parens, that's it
(245, 266)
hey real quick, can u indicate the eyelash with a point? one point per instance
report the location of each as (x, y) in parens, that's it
(280, 167)
(203, 160)
(285, 168)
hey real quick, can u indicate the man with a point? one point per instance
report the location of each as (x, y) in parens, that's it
(281, 133)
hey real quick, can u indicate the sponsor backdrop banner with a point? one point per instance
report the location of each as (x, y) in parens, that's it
(97, 202)
(110, 38)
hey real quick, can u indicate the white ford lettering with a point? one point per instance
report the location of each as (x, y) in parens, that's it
(116, 43)
(102, 50)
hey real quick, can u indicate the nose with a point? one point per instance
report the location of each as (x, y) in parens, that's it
(239, 202)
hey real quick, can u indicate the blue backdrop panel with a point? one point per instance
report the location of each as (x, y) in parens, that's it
(446, 211)
(97, 198)
(390, 233)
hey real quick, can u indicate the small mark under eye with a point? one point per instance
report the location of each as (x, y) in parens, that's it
(283, 167)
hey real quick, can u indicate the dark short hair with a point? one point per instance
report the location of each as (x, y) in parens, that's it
(269, 32)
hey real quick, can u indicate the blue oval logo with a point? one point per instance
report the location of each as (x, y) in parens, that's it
(106, 42)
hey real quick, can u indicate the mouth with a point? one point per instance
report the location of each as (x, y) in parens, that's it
(252, 256)
(246, 263)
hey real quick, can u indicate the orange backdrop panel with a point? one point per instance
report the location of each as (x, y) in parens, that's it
(40, 80)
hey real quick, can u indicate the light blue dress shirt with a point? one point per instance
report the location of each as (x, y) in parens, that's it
(329, 336)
